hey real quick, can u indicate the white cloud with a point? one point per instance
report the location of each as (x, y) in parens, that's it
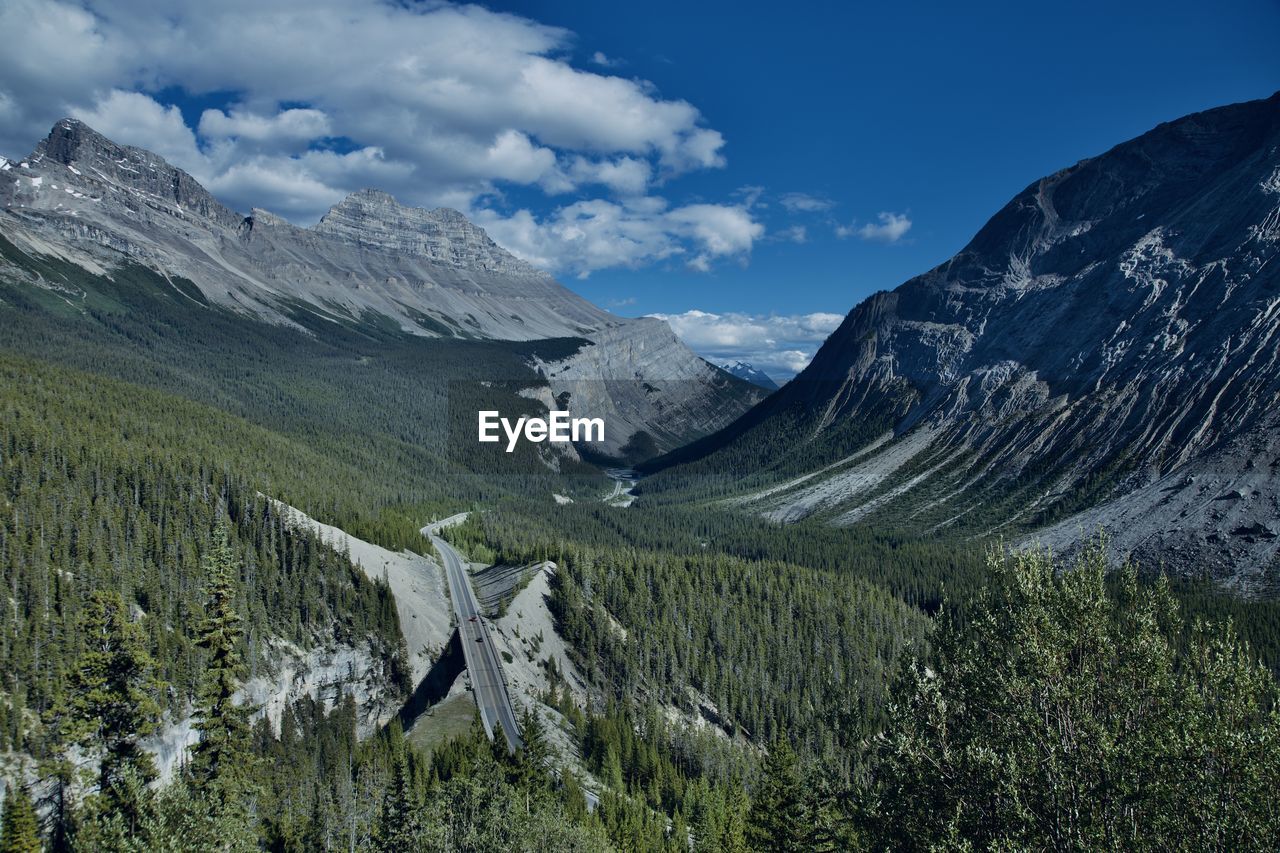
(890, 229)
(454, 100)
(781, 345)
(622, 174)
(751, 195)
(720, 229)
(805, 203)
(287, 126)
(137, 119)
(603, 61)
(596, 234)
(794, 234)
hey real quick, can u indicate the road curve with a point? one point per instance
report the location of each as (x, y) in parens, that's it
(485, 669)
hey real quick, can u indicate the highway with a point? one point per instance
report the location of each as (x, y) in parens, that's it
(481, 655)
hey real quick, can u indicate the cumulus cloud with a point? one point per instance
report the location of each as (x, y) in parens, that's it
(805, 203)
(623, 174)
(780, 345)
(596, 234)
(132, 117)
(890, 229)
(289, 126)
(598, 58)
(453, 102)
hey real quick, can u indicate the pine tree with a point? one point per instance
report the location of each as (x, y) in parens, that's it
(20, 833)
(734, 827)
(111, 703)
(612, 771)
(399, 820)
(572, 795)
(1064, 716)
(678, 835)
(222, 761)
(777, 820)
(534, 752)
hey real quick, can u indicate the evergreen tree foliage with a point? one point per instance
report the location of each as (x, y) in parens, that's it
(20, 832)
(778, 816)
(399, 824)
(111, 704)
(1062, 717)
(222, 763)
(110, 489)
(535, 752)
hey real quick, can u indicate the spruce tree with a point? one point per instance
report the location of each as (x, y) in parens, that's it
(20, 833)
(611, 773)
(733, 832)
(111, 703)
(1064, 715)
(572, 795)
(777, 820)
(534, 752)
(399, 819)
(222, 761)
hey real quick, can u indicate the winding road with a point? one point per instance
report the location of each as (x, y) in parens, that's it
(485, 669)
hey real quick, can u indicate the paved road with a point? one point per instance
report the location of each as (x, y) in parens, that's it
(477, 645)
(498, 701)
(624, 480)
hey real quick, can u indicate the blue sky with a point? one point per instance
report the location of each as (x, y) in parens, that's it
(750, 171)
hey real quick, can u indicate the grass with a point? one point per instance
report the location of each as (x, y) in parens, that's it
(448, 719)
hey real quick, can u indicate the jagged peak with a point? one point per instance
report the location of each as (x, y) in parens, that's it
(368, 217)
(369, 194)
(373, 217)
(369, 197)
(71, 141)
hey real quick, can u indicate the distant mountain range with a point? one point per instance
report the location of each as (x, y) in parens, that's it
(749, 373)
(1104, 354)
(370, 262)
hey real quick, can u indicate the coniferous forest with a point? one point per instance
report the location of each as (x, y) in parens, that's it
(238, 452)
(752, 687)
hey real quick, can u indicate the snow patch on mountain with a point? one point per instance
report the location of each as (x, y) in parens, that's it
(749, 373)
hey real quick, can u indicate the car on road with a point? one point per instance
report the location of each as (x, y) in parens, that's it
(472, 619)
(479, 639)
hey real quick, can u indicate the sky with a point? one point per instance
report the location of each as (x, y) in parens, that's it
(748, 171)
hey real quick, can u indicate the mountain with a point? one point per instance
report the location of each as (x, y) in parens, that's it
(1102, 355)
(370, 262)
(749, 373)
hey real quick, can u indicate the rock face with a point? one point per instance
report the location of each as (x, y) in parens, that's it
(649, 401)
(432, 272)
(1107, 342)
(372, 219)
(88, 200)
(150, 178)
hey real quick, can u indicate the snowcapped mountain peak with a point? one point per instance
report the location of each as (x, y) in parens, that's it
(750, 373)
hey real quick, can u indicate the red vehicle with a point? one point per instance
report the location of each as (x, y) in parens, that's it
(472, 619)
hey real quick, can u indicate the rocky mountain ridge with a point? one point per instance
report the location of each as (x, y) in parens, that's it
(433, 272)
(1102, 355)
(371, 260)
(374, 219)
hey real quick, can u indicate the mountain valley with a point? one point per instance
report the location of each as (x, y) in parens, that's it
(999, 569)
(1100, 357)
